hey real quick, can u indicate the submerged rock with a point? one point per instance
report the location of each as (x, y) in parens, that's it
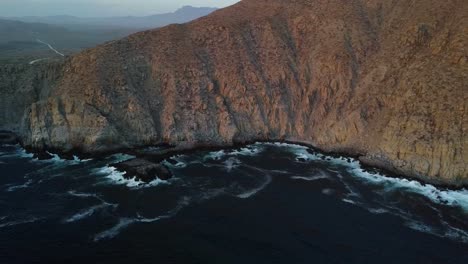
(143, 170)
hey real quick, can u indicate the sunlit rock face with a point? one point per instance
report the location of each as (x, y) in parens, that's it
(386, 80)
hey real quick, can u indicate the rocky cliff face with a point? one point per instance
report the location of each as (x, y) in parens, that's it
(21, 86)
(387, 80)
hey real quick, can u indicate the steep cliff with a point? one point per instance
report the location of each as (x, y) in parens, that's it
(386, 80)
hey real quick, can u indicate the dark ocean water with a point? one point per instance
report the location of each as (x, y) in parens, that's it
(265, 203)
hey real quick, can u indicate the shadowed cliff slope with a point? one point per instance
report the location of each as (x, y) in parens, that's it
(386, 80)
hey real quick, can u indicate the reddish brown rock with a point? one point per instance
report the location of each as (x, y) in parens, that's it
(383, 79)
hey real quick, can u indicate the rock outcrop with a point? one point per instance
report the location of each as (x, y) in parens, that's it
(385, 80)
(143, 170)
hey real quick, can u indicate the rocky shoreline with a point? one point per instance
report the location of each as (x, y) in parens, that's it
(148, 165)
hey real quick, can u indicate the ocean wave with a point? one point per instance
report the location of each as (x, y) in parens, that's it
(22, 186)
(115, 230)
(117, 177)
(126, 221)
(254, 191)
(444, 231)
(231, 163)
(120, 157)
(85, 213)
(83, 195)
(215, 155)
(319, 176)
(251, 150)
(19, 222)
(454, 198)
(19, 152)
(179, 162)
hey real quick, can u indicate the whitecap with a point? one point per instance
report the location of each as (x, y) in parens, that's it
(215, 155)
(77, 159)
(300, 151)
(117, 177)
(247, 151)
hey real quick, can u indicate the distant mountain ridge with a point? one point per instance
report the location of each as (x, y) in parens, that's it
(181, 15)
(19, 36)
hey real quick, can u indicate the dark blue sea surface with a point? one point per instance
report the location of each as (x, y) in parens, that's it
(264, 203)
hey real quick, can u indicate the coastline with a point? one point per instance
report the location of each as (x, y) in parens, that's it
(167, 150)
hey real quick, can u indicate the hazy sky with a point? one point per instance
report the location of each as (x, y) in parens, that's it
(92, 8)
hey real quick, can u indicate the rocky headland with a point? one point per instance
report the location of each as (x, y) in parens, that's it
(383, 80)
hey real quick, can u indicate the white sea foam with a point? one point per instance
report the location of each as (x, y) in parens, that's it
(254, 191)
(77, 159)
(456, 198)
(117, 177)
(215, 155)
(309, 178)
(19, 222)
(18, 153)
(125, 222)
(83, 195)
(86, 213)
(22, 186)
(455, 233)
(319, 176)
(231, 163)
(179, 159)
(251, 150)
(115, 230)
(348, 201)
(378, 210)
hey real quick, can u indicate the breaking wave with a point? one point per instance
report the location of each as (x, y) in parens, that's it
(117, 177)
